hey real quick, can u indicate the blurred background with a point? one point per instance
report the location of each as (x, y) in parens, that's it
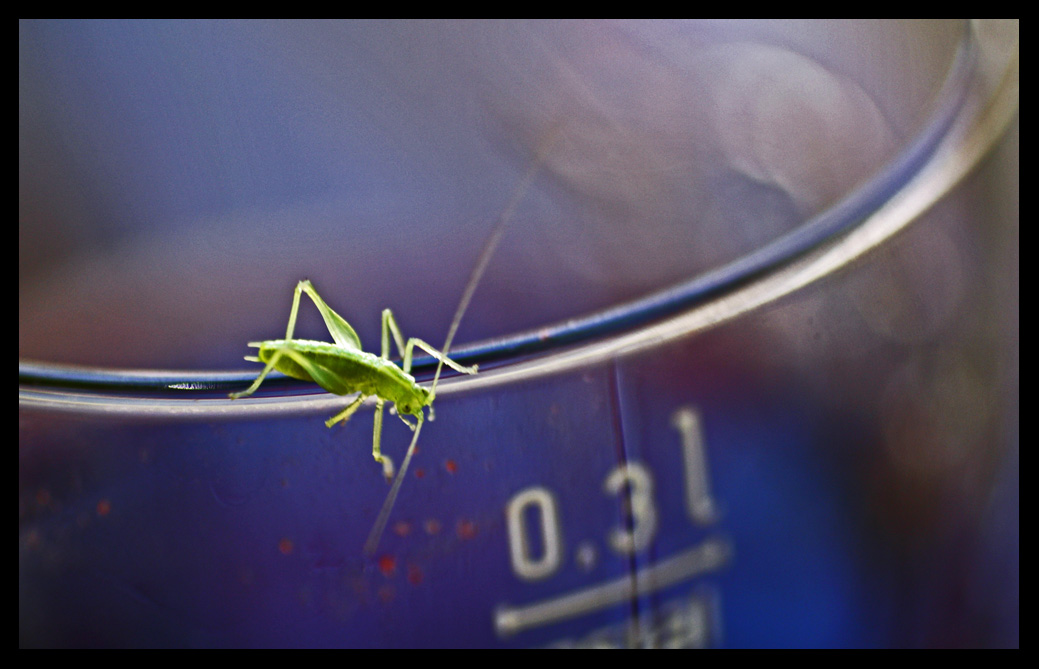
(859, 436)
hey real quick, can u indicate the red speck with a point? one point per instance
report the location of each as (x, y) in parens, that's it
(43, 497)
(414, 575)
(387, 565)
(451, 466)
(432, 526)
(104, 507)
(402, 528)
(285, 546)
(419, 473)
(466, 529)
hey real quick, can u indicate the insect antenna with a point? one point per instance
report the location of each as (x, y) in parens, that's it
(463, 303)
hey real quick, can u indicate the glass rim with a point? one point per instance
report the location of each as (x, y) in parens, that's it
(901, 190)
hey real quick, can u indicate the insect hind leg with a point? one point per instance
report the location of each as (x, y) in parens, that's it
(277, 356)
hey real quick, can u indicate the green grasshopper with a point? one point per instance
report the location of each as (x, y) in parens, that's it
(343, 368)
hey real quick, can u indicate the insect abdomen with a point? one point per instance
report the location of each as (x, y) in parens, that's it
(350, 371)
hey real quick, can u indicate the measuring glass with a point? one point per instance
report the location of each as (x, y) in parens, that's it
(727, 397)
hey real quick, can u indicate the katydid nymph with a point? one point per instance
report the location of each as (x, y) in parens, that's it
(343, 368)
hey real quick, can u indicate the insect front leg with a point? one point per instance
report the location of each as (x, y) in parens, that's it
(389, 326)
(437, 355)
(384, 460)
